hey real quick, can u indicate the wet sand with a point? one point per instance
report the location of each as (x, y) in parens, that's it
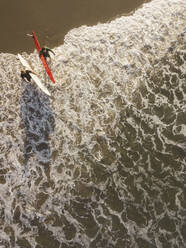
(53, 19)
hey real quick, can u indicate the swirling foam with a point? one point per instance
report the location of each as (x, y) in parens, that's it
(102, 163)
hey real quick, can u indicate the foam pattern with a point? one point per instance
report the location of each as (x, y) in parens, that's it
(100, 164)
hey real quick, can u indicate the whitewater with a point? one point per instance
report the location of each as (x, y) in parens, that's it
(102, 162)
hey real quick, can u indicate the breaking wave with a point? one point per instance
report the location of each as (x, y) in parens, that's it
(102, 162)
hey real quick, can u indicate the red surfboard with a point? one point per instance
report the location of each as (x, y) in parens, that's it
(42, 57)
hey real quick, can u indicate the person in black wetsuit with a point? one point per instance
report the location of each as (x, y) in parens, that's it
(25, 74)
(45, 52)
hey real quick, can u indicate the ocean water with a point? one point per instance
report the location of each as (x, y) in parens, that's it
(53, 19)
(102, 162)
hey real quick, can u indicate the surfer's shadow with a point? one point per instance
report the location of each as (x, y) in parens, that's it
(38, 120)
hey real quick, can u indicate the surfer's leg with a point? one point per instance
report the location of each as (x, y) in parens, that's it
(48, 60)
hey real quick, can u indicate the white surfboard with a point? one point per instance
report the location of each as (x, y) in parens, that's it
(33, 76)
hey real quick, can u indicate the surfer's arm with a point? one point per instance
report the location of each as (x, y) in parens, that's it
(49, 50)
(31, 72)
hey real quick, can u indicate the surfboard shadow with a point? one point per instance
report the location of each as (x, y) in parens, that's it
(38, 120)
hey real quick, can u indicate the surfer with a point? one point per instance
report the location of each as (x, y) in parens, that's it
(28, 73)
(44, 55)
(25, 74)
(45, 52)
